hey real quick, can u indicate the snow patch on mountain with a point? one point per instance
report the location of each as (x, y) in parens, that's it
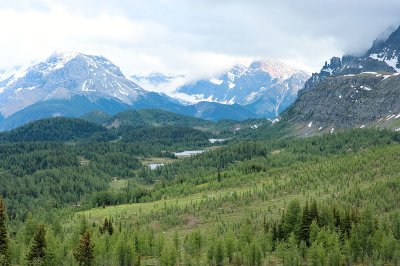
(390, 61)
(216, 81)
(246, 83)
(61, 76)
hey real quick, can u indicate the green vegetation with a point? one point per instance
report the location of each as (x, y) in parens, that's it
(156, 117)
(147, 118)
(97, 116)
(84, 252)
(167, 136)
(326, 200)
(4, 249)
(53, 129)
(37, 253)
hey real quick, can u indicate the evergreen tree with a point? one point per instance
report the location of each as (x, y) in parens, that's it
(219, 253)
(210, 251)
(291, 218)
(293, 256)
(84, 251)
(37, 254)
(229, 246)
(107, 227)
(254, 254)
(168, 256)
(346, 224)
(4, 252)
(314, 211)
(306, 221)
(29, 229)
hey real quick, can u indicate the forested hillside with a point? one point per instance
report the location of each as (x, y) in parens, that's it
(134, 119)
(154, 117)
(328, 200)
(53, 129)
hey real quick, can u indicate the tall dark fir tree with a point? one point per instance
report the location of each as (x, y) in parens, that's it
(306, 221)
(4, 252)
(37, 253)
(84, 251)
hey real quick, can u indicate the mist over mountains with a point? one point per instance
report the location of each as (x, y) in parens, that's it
(72, 84)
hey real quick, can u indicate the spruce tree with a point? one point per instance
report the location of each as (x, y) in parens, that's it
(37, 254)
(314, 211)
(4, 252)
(84, 251)
(107, 227)
(219, 253)
(306, 221)
(346, 224)
(291, 220)
(230, 246)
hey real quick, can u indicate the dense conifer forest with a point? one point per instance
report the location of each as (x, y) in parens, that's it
(323, 200)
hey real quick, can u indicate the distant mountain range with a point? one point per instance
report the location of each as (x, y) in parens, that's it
(352, 91)
(73, 84)
(265, 88)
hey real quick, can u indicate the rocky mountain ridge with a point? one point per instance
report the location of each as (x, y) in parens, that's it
(352, 91)
(265, 87)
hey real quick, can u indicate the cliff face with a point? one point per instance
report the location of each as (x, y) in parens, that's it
(352, 92)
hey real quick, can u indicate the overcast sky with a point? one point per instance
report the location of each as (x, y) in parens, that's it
(193, 37)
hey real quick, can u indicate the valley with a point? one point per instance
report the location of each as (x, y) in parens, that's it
(239, 194)
(258, 163)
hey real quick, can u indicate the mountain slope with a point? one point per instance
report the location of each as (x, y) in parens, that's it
(53, 129)
(72, 84)
(216, 111)
(154, 118)
(75, 106)
(64, 75)
(265, 87)
(352, 92)
(96, 116)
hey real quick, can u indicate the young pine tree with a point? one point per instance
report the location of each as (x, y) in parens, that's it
(84, 251)
(168, 256)
(219, 253)
(230, 246)
(107, 227)
(306, 221)
(37, 254)
(314, 211)
(4, 252)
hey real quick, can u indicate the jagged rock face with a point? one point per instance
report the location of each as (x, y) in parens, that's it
(278, 97)
(387, 51)
(347, 65)
(62, 76)
(352, 91)
(265, 87)
(348, 101)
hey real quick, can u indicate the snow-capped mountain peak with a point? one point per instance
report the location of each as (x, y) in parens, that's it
(63, 75)
(266, 84)
(275, 69)
(387, 49)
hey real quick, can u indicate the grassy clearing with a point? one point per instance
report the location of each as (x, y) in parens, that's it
(157, 160)
(265, 193)
(118, 184)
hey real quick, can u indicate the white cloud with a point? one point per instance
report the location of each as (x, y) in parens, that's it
(196, 38)
(32, 34)
(136, 46)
